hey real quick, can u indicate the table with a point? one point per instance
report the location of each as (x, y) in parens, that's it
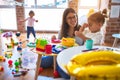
(39, 61)
(116, 36)
(64, 56)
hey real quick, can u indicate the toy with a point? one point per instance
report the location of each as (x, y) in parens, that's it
(18, 34)
(16, 64)
(20, 62)
(19, 48)
(68, 42)
(31, 44)
(12, 42)
(10, 62)
(100, 64)
(40, 70)
(48, 49)
(58, 48)
(19, 73)
(7, 34)
(56, 74)
(40, 44)
(2, 59)
(1, 69)
(46, 61)
(8, 54)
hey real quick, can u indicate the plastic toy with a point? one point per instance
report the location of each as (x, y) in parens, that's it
(58, 48)
(1, 69)
(56, 74)
(7, 34)
(9, 46)
(68, 42)
(19, 73)
(16, 64)
(46, 61)
(19, 48)
(40, 44)
(31, 44)
(40, 70)
(12, 42)
(18, 34)
(56, 41)
(10, 62)
(20, 62)
(8, 54)
(2, 59)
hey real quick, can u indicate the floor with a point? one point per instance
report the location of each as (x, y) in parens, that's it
(46, 74)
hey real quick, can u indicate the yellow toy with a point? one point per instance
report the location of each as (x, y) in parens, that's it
(68, 42)
(8, 54)
(91, 11)
(2, 59)
(95, 64)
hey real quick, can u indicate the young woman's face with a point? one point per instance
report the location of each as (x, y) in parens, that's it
(71, 19)
(94, 27)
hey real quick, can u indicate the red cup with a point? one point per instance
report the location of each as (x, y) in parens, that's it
(48, 49)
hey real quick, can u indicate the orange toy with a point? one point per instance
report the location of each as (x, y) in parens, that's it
(2, 59)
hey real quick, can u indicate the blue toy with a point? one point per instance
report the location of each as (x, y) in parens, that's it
(46, 61)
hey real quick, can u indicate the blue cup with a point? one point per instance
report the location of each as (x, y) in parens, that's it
(89, 44)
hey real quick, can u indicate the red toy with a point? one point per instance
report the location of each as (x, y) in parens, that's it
(40, 70)
(1, 69)
(10, 62)
(56, 74)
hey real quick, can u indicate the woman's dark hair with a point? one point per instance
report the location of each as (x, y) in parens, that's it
(65, 27)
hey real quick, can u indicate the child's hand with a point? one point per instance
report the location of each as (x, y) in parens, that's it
(82, 28)
(85, 25)
(36, 20)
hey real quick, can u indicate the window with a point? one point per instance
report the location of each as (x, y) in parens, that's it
(7, 15)
(85, 6)
(89, 3)
(47, 12)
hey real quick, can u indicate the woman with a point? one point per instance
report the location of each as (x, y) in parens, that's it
(70, 25)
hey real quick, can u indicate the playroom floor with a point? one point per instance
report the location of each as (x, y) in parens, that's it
(46, 74)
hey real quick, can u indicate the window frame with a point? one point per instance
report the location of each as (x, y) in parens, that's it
(88, 7)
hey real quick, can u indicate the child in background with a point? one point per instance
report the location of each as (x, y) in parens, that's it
(30, 24)
(92, 29)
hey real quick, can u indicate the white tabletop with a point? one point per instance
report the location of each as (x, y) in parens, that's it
(64, 56)
(116, 35)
